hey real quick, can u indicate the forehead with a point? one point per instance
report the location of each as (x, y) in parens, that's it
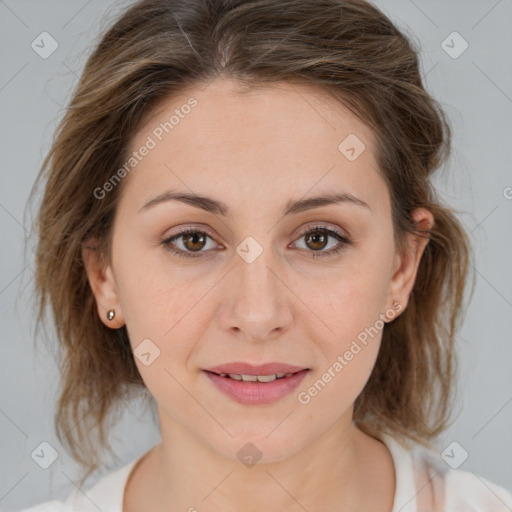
(278, 138)
(286, 110)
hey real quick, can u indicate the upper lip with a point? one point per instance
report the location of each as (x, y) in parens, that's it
(241, 368)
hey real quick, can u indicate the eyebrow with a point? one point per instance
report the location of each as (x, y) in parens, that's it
(292, 207)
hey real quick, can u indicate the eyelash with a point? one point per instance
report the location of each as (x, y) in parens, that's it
(344, 241)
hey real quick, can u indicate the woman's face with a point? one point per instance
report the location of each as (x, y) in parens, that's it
(252, 285)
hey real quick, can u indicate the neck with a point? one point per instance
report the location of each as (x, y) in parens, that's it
(332, 473)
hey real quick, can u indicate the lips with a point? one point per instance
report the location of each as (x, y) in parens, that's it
(256, 384)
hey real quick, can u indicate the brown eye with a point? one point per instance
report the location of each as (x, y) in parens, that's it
(318, 237)
(194, 241)
(316, 240)
(187, 242)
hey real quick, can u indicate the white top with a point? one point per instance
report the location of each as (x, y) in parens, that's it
(451, 490)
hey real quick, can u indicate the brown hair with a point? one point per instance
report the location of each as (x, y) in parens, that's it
(346, 48)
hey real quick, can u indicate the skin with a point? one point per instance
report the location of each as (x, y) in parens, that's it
(284, 306)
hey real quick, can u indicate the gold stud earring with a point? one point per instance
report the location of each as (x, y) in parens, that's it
(111, 314)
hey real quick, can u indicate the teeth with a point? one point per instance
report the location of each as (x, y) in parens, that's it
(256, 378)
(247, 378)
(266, 378)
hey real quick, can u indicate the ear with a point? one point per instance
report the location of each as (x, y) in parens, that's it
(103, 285)
(407, 260)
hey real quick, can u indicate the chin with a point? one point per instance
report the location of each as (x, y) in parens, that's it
(255, 445)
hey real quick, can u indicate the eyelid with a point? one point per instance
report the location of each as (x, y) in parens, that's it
(343, 233)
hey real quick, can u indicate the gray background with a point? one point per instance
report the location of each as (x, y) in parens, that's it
(476, 91)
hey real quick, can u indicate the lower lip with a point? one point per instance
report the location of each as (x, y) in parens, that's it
(257, 393)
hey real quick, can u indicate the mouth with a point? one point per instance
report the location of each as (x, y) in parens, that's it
(248, 369)
(254, 385)
(255, 378)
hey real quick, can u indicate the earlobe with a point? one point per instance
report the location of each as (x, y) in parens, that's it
(103, 287)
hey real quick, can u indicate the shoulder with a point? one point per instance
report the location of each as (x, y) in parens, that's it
(475, 493)
(105, 495)
(426, 483)
(459, 490)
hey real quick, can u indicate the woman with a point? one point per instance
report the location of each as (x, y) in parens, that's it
(238, 217)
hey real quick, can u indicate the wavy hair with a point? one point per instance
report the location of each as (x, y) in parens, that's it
(155, 48)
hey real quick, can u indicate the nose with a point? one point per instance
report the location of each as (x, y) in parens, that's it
(256, 300)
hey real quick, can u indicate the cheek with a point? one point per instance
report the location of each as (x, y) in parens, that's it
(349, 339)
(163, 310)
(162, 304)
(351, 301)
(153, 293)
(161, 320)
(348, 321)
